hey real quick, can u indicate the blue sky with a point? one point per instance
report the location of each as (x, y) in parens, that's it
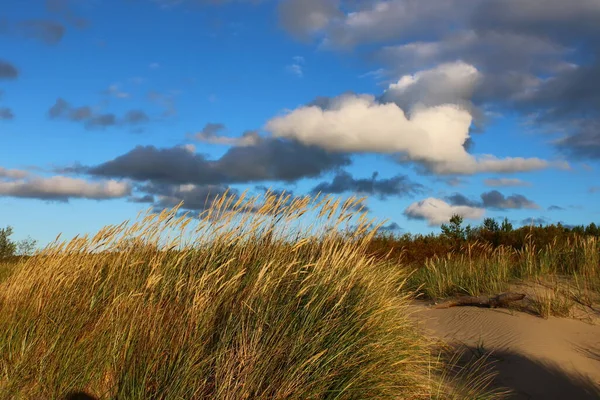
(111, 107)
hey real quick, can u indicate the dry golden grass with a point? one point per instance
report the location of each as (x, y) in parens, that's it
(244, 302)
(572, 271)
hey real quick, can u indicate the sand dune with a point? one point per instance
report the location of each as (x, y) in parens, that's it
(536, 358)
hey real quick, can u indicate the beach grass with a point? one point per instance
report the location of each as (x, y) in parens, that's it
(242, 302)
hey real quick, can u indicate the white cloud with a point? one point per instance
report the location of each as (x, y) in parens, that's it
(437, 212)
(432, 136)
(62, 188)
(295, 69)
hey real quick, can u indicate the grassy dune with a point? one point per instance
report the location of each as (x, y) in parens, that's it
(242, 303)
(566, 275)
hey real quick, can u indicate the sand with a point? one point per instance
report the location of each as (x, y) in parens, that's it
(557, 358)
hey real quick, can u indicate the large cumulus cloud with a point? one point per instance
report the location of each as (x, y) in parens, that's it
(539, 58)
(431, 136)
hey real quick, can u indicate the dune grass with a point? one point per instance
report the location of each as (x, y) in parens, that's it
(553, 302)
(6, 269)
(242, 303)
(477, 268)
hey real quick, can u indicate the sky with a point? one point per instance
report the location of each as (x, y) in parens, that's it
(428, 108)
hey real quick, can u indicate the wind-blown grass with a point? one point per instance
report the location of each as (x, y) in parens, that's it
(573, 267)
(223, 307)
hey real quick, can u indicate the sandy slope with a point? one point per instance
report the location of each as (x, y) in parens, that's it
(536, 358)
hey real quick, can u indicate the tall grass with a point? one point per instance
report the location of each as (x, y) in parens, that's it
(479, 268)
(238, 304)
(6, 269)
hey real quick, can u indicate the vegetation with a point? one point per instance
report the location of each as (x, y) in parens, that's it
(247, 302)
(10, 248)
(490, 258)
(490, 235)
(241, 303)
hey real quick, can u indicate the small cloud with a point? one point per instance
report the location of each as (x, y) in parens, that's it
(295, 69)
(555, 208)
(344, 182)
(49, 32)
(437, 212)
(211, 129)
(135, 117)
(391, 227)
(7, 70)
(166, 101)
(154, 65)
(59, 108)
(65, 10)
(62, 188)
(377, 74)
(13, 173)
(534, 221)
(194, 197)
(63, 110)
(114, 91)
(211, 133)
(274, 191)
(454, 182)
(504, 182)
(101, 121)
(212, 98)
(497, 200)
(458, 199)
(46, 31)
(6, 114)
(80, 113)
(148, 198)
(494, 200)
(594, 189)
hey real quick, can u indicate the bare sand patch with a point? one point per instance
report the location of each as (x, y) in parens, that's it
(536, 358)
